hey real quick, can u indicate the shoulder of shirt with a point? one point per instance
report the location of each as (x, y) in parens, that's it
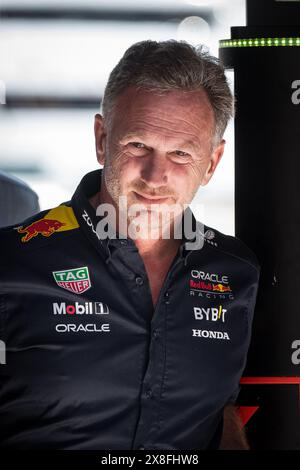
(45, 227)
(231, 246)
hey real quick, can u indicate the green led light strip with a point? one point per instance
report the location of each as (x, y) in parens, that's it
(259, 42)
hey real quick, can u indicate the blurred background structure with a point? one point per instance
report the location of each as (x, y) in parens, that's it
(55, 58)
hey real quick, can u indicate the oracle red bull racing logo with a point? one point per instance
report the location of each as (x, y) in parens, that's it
(45, 227)
(210, 285)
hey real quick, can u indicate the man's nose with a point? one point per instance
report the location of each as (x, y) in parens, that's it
(154, 171)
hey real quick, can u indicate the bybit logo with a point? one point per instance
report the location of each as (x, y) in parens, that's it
(210, 314)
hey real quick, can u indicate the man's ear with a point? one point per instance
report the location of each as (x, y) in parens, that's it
(100, 136)
(213, 162)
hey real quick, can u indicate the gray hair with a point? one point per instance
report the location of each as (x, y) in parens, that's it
(172, 65)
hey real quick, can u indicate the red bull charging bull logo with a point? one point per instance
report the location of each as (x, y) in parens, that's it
(45, 227)
(221, 288)
(58, 219)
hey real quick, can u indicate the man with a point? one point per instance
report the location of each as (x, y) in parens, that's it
(118, 336)
(17, 200)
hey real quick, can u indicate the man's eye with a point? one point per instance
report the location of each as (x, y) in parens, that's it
(138, 145)
(182, 154)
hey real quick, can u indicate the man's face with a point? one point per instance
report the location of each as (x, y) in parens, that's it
(157, 149)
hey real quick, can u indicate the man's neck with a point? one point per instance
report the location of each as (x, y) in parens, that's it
(160, 249)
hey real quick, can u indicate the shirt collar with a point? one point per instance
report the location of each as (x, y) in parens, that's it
(85, 213)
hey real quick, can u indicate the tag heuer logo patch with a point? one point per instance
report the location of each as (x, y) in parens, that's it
(75, 280)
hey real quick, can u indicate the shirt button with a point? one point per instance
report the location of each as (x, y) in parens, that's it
(155, 334)
(149, 393)
(139, 280)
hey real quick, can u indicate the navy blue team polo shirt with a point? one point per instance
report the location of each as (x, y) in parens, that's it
(90, 364)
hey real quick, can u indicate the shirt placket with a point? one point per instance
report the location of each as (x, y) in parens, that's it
(151, 388)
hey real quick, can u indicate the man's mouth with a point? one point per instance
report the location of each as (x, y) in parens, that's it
(146, 199)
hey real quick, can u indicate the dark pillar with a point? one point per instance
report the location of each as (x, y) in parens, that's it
(265, 56)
